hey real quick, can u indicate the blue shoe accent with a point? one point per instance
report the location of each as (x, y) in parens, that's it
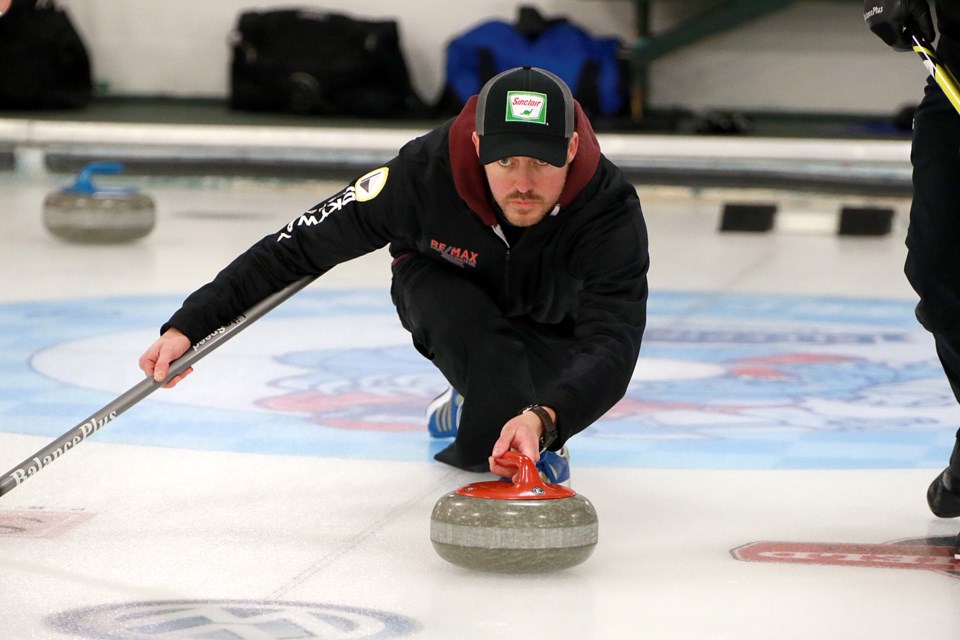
(443, 414)
(554, 467)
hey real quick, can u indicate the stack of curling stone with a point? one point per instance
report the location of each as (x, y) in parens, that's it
(84, 213)
(523, 526)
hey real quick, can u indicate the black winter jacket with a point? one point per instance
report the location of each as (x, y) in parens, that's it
(583, 267)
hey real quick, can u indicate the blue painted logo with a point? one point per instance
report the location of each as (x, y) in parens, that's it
(264, 620)
(724, 381)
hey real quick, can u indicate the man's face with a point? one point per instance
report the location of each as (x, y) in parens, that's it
(526, 188)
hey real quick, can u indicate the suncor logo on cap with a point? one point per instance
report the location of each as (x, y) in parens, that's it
(524, 106)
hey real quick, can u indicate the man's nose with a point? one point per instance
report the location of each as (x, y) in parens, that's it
(523, 179)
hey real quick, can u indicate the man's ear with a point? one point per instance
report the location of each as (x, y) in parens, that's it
(476, 142)
(572, 147)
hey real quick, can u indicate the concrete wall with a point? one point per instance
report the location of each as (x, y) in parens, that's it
(810, 57)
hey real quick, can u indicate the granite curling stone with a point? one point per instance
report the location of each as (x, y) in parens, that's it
(523, 526)
(82, 212)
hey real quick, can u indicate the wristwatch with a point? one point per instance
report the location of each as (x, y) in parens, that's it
(549, 435)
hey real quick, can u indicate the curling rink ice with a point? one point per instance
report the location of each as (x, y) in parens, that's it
(764, 478)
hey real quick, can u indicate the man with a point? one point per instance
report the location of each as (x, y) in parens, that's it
(933, 262)
(520, 261)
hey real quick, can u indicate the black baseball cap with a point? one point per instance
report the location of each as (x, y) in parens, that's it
(525, 112)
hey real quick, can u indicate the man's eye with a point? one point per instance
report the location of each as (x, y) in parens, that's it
(504, 162)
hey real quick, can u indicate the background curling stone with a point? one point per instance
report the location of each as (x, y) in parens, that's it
(84, 213)
(521, 527)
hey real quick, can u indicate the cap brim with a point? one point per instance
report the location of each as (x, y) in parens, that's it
(550, 149)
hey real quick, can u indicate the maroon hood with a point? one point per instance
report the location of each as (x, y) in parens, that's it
(471, 182)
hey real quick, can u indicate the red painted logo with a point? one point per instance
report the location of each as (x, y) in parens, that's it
(931, 554)
(456, 255)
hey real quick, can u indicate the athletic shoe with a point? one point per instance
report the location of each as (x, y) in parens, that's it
(554, 466)
(443, 414)
(943, 496)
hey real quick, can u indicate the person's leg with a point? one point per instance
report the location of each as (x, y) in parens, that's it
(933, 257)
(496, 363)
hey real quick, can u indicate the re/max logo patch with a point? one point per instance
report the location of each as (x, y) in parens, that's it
(456, 255)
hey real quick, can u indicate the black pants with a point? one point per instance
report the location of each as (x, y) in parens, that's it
(933, 239)
(497, 363)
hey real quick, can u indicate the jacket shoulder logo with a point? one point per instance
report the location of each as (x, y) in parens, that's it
(371, 184)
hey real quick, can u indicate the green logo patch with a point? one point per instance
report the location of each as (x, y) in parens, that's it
(526, 106)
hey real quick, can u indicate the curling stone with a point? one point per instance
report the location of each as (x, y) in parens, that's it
(83, 212)
(523, 526)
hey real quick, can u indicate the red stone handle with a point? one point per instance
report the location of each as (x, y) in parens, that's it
(526, 483)
(527, 476)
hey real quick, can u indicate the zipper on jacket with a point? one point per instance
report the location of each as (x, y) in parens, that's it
(506, 279)
(500, 234)
(506, 265)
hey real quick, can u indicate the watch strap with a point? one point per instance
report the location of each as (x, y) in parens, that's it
(549, 434)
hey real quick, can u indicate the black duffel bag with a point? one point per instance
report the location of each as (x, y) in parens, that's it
(303, 61)
(44, 61)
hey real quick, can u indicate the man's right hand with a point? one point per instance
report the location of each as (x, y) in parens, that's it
(889, 18)
(155, 361)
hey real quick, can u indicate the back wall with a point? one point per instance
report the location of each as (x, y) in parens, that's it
(810, 57)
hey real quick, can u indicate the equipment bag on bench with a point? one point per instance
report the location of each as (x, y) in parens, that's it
(593, 68)
(303, 61)
(44, 62)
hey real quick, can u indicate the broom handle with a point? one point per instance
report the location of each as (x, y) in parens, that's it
(941, 74)
(78, 434)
